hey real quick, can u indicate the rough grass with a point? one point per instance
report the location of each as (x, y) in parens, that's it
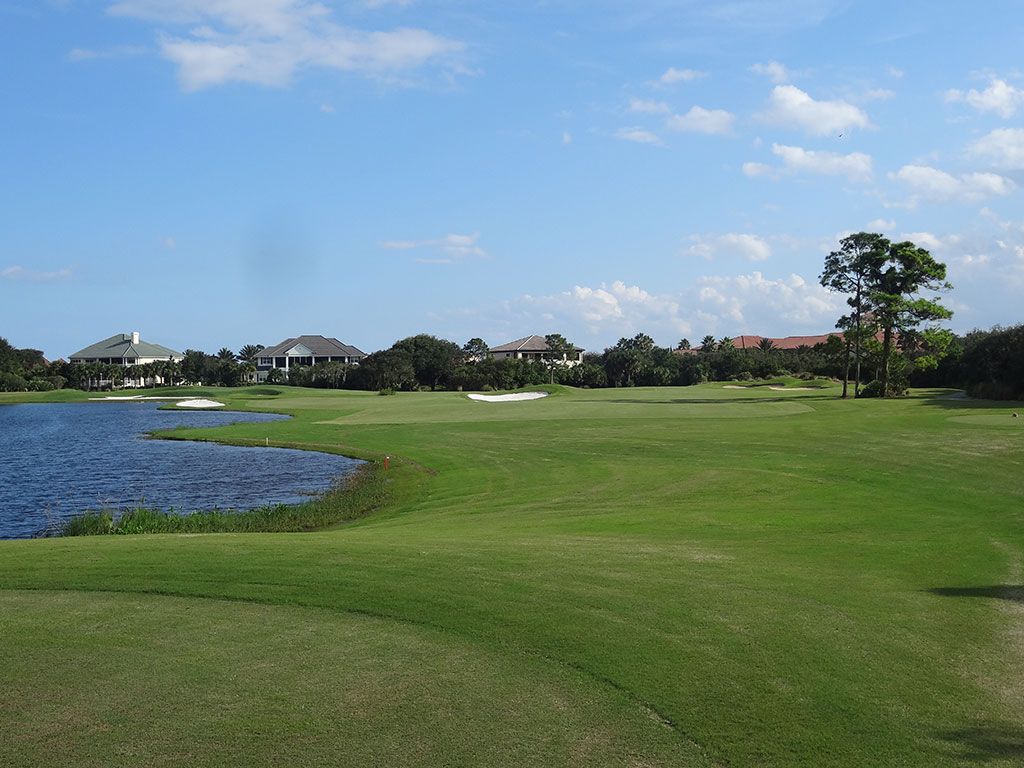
(688, 576)
(356, 496)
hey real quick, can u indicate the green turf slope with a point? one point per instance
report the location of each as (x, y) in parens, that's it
(694, 576)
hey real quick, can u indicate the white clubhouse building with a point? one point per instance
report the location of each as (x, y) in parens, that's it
(127, 349)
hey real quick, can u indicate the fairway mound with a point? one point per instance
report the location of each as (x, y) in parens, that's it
(515, 397)
(200, 403)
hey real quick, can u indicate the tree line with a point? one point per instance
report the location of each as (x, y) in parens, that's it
(987, 363)
(890, 339)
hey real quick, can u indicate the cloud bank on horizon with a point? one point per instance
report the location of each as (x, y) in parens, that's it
(371, 169)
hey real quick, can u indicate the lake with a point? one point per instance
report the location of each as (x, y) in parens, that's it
(58, 460)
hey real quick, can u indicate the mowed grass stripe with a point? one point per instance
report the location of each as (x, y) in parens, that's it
(263, 685)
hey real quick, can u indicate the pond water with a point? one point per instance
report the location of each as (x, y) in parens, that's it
(58, 460)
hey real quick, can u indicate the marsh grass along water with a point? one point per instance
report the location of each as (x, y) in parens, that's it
(58, 460)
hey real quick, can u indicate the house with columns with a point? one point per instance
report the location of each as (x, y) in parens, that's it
(303, 351)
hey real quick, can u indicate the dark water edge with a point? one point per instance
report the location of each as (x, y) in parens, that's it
(59, 460)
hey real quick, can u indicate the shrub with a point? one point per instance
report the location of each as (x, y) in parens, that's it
(871, 389)
(386, 391)
(12, 382)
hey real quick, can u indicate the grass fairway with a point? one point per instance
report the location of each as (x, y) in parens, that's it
(636, 577)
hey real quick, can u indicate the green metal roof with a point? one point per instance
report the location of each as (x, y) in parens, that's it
(120, 345)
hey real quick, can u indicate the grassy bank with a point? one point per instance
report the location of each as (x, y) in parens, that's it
(355, 496)
(698, 576)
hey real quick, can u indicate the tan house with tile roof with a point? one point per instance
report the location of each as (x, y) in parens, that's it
(534, 348)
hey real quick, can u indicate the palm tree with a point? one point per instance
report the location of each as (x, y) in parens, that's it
(173, 368)
(250, 352)
(707, 344)
(140, 372)
(766, 346)
(725, 343)
(225, 355)
(683, 344)
(248, 371)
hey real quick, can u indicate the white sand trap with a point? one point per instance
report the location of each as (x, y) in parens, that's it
(200, 403)
(732, 386)
(793, 389)
(508, 398)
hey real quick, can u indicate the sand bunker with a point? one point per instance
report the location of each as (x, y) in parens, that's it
(793, 389)
(508, 398)
(200, 403)
(733, 386)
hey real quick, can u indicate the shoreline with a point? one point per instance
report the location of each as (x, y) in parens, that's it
(302, 516)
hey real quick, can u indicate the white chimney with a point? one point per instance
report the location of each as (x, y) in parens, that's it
(135, 337)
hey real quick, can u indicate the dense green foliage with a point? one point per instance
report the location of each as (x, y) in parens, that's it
(24, 370)
(697, 576)
(990, 363)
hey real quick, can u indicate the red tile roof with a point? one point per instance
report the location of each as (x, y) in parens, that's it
(785, 342)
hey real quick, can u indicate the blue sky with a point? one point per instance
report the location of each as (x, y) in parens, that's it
(218, 172)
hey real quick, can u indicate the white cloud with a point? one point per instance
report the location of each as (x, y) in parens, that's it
(711, 246)
(617, 308)
(878, 94)
(895, 72)
(748, 303)
(791, 107)
(758, 169)
(929, 183)
(1003, 148)
(672, 76)
(92, 54)
(566, 138)
(327, 109)
(926, 240)
(648, 107)
(882, 224)
(448, 249)
(637, 135)
(999, 97)
(700, 120)
(267, 41)
(773, 70)
(755, 303)
(856, 166)
(18, 272)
